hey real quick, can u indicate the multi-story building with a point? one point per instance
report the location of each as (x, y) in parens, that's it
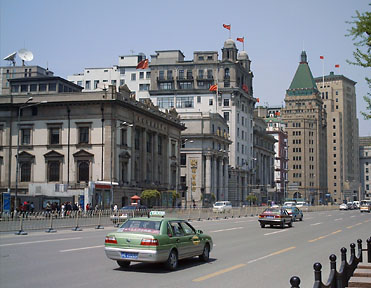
(263, 185)
(339, 100)
(204, 158)
(277, 128)
(125, 73)
(365, 166)
(104, 144)
(305, 119)
(13, 72)
(176, 82)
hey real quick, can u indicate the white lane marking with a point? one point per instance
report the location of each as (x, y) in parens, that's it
(338, 219)
(236, 228)
(245, 221)
(307, 218)
(315, 224)
(40, 241)
(275, 232)
(352, 216)
(329, 215)
(83, 248)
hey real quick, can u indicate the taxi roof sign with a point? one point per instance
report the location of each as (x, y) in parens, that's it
(157, 213)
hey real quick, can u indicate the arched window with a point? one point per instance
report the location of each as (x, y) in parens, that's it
(53, 171)
(25, 172)
(83, 168)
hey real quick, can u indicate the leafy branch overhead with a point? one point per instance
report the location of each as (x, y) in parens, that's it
(361, 35)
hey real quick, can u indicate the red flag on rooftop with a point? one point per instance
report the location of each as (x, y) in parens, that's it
(143, 64)
(337, 66)
(213, 87)
(245, 88)
(321, 57)
(241, 39)
(227, 26)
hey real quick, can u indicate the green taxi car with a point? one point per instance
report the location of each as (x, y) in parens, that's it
(157, 239)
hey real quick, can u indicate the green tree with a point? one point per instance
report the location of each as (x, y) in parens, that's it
(251, 198)
(150, 196)
(361, 35)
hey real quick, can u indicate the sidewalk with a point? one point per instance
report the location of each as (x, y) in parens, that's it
(361, 276)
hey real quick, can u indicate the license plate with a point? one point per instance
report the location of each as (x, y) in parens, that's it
(269, 216)
(127, 255)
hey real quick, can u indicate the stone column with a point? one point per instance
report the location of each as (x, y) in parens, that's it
(144, 156)
(155, 158)
(214, 177)
(133, 155)
(226, 179)
(208, 175)
(220, 186)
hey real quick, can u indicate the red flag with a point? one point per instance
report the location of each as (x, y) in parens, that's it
(257, 100)
(213, 88)
(321, 57)
(245, 88)
(241, 39)
(337, 66)
(227, 26)
(143, 64)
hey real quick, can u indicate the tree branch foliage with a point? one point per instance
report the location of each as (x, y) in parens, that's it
(361, 35)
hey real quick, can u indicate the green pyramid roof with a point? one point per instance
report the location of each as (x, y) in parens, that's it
(303, 82)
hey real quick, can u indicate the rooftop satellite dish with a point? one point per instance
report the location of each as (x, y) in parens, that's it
(25, 55)
(11, 57)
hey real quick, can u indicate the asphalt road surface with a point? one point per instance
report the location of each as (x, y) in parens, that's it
(244, 255)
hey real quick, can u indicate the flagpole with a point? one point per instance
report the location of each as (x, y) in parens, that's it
(243, 44)
(217, 91)
(323, 72)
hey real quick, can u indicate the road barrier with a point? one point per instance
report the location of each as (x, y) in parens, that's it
(77, 220)
(338, 279)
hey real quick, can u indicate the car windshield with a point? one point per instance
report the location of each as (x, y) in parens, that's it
(141, 226)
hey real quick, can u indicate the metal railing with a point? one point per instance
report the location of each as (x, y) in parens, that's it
(50, 221)
(338, 279)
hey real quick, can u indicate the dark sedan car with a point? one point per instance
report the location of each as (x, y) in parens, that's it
(275, 217)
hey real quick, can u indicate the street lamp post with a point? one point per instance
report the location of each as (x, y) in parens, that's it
(25, 105)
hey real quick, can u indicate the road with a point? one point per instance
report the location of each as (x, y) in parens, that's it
(244, 255)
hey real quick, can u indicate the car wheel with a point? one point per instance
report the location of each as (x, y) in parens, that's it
(123, 264)
(301, 218)
(172, 261)
(205, 256)
(290, 224)
(262, 225)
(283, 224)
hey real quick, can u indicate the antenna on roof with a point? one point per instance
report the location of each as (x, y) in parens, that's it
(11, 58)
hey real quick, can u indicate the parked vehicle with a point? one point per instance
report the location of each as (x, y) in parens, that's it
(157, 239)
(275, 216)
(289, 204)
(350, 206)
(295, 213)
(343, 206)
(222, 206)
(365, 206)
(356, 204)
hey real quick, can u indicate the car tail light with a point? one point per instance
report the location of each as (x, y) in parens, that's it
(110, 239)
(149, 242)
(277, 216)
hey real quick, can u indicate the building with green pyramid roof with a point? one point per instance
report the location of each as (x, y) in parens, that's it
(305, 121)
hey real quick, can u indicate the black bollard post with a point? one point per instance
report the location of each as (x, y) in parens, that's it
(369, 250)
(317, 274)
(360, 253)
(295, 282)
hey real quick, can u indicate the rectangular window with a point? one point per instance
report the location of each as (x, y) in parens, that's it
(54, 135)
(96, 82)
(166, 86)
(226, 102)
(209, 74)
(184, 102)
(161, 75)
(183, 159)
(165, 102)
(186, 85)
(53, 86)
(42, 87)
(226, 116)
(83, 135)
(143, 87)
(53, 171)
(181, 74)
(159, 142)
(198, 99)
(141, 75)
(169, 74)
(133, 76)
(87, 85)
(122, 82)
(210, 102)
(33, 87)
(201, 74)
(124, 137)
(25, 136)
(122, 71)
(24, 88)
(15, 88)
(148, 75)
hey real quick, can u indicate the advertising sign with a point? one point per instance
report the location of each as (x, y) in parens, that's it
(6, 202)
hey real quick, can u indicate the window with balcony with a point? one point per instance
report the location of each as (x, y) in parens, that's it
(186, 85)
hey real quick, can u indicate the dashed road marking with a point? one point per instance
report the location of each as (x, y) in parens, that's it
(275, 232)
(229, 229)
(338, 219)
(83, 248)
(39, 241)
(315, 224)
(324, 236)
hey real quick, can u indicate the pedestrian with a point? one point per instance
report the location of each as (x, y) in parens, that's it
(32, 207)
(115, 208)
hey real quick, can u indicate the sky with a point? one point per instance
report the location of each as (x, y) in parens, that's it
(67, 36)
